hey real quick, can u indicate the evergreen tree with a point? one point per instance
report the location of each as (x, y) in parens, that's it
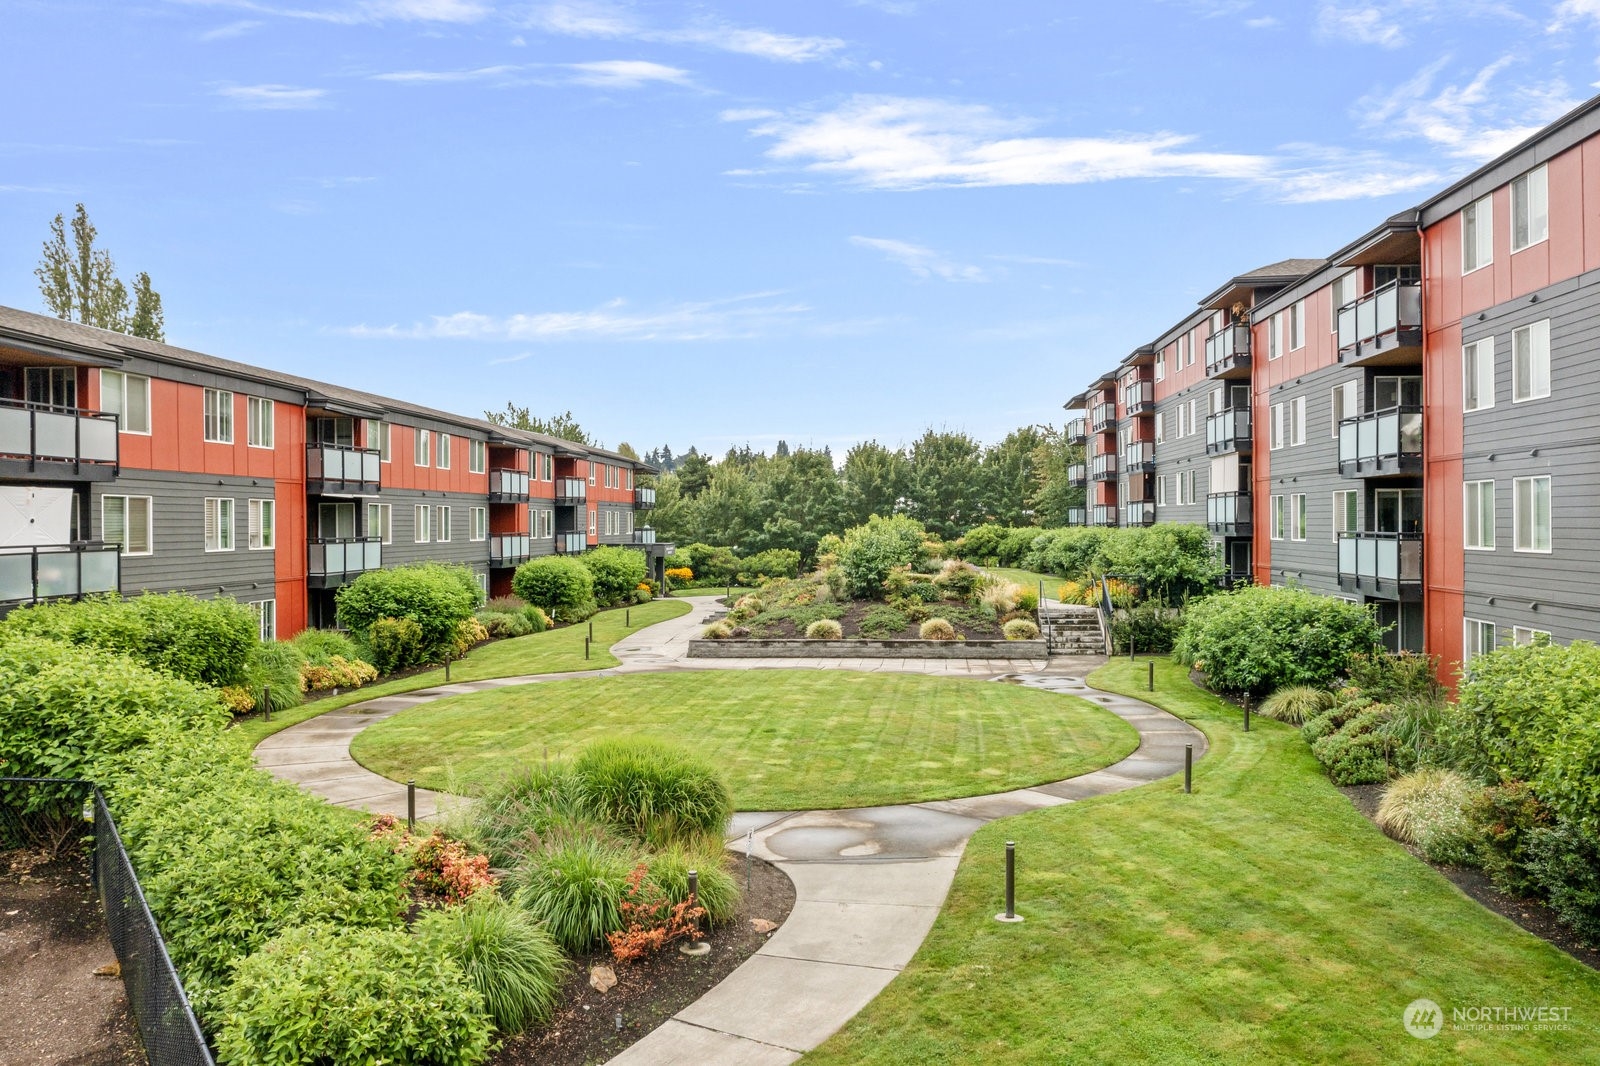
(79, 282)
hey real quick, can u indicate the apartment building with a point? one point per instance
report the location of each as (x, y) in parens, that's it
(127, 465)
(1409, 422)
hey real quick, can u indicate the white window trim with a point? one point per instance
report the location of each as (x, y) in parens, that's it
(150, 519)
(1297, 325)
(478, 524)
(1276, 428)
(1516, 514)
(1299, 517)
(1523, 635)
(1487, 204)
(1533, 330)
(215, 503)
(1483, 354)
(441, 453)
(477, 456)
(1467, 625)
(1297, 421)
(387, 510)
(263, 609)
(219, 393)
(255, 527)
(1543, 171)
(122, 415)
(421, 523)
(422, 449)
(442, 522)
(1277, 514)
(1339, 510)
(1350, 389)
(1470, 519)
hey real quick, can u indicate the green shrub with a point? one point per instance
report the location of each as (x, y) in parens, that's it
(1357, 753)
(555, 583)
(511, 960)
(960, 580)
(617, 573)
(1170, 560)
(512, 604)
(774, 562)
(937, 629)
(1028, 599)
(538, 621)
(1414, 733)
(396, 644)
(517, 812)
(1262, 637)
(435, 597)
(325, 995)
(654, 790)
(869, 552)
(1396, 677)
(1428, 808)
(1564, 861)
(1151, 625)
(321, 645)
(711, 565)
(276, 666)
(1505, 817)
(1296, 703)
(502, 624)
(208, 641)
(574, 887)
(825, 629)
(883, 622)
(719, 892)
(1020, 629)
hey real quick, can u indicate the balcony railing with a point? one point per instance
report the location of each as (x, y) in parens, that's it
(1139, 458)
(1382, 442)
(57, 444)
(332, 470)
(1228, 514)
(508, 486)
(1385, 320)
(1077, 516)
(46, 572)
(334, 561)
(571, 490)
(1139, 398)
(1141, 513)
(1228, 350)
(1103, 468)
(1103, 417)
(644, 497)
(1077, 430)
(571, 543)
(510, 549)
(1381, 564)
(1101, 515)
(1078, 475)
(1228, 431)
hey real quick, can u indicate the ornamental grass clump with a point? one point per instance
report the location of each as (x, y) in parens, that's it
(657, 792)
(1428, 808)
(1295, 703)
(1020, 629)
(512, 960)
(722, 630)
(937, 629)
(824, 629)
(575, 888)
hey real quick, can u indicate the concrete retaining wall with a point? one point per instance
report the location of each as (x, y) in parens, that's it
(868, 649)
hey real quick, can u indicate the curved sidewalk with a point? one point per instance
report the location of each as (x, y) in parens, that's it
(869, 882)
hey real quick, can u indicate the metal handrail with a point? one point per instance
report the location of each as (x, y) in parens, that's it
(55, 582)
(105, 442)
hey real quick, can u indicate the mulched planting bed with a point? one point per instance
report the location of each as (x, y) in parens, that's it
(963, 618)
(52, 938)
(649, 990)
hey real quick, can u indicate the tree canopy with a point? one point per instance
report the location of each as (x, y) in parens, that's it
(79, 283)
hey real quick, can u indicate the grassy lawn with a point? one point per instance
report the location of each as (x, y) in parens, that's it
(1028, 579)
(552, 652)
(1261, 919)
(714, 590)
(785, 739)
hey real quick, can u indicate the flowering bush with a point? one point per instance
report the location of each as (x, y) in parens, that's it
(651, 921)
(337, 672)
(441, 868)
(680, 573)
(238, 699)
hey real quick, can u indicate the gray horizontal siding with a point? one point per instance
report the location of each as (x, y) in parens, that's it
(458, 549)
(1175, 454)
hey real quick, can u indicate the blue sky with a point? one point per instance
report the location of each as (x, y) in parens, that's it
(726, 223)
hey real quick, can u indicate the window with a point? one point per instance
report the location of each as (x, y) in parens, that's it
(376, 434)
(1297, 516)
(1530, 362)
(261, 521)
(266, 612)
(547, 463)
(592, 523)
(422, 448)
(1275, 336)
(1530, 504)
(422, 519)
(477, 457)
(1297, 421)
(1161, 366)
(1341, 292)
(1276, 528)
(1277, 426)
(629, 529)
(480, 524)
(219, 416)
(1344, 512)
(55, 387)
(1186, 493)
(1530, 209)
(1477, 235)
(1194, 421)
(483, 581)
(1478, 639)
(125, 520)
(611, 523)
(1344, 404)
(591, 482)
(1297, 325)
(1478, 514)
(1161, 490)
(442, 532)
(1183, 420)
(219, 524)
(1477, 375)
(128, 397)
(443, 462)
(380, 521)
(259, 431)
(544, 524)
(1161, 428)
(1524, 635)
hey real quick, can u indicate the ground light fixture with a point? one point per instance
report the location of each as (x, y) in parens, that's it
(1010, 915)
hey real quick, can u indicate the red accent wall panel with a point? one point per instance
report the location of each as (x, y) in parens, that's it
(289, 556)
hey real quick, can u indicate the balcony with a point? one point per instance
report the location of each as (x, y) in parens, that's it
(1228, 352)
(1139, 398)
(1077, 475)
(644, 535)
(1139, 514)
(510, 549)
(336, 471)
(1139, 458)
(1103, 468)
(40, 443)
(508, 486)
(335, 561)
(645, 498)
(1077, 431)
(571, 543)
(1103, 417)
(1229, 431)
(1382, 443)
(571, 490)
(1103, 516)
(1384, 327)
(1077, 516)
(1228, 514)
(47, 572)
(1387, 565)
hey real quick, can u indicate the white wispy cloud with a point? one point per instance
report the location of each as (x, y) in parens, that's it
(596, 19)
(272, 97)
(923, 262)
(361, 11)
(1382, 26)
(500, 73)
(1474, 120)
(626, 74)
(231, 30)
(1036, 260)
(603, 74)
(741, 317)
(1569, 11)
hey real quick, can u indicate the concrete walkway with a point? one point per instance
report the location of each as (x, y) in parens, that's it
(869, 882)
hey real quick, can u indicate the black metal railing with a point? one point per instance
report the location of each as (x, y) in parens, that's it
(1078, 474)
(644, 535)
(57, 571)
(1103, 468)
(508, 486)
(1139, 513)
(1380, 563)
(1228, 349)
(571, 543)
(1139, 398)
(1387, 318)
(335, 560)
(1077, 516)
(331, 468)
(1229, 514)
(644, 497)
(59, 441)
(1103, 515)
(571, 490)
(1228, 431)
(167, 1026)
(1139, 457)
(1382, 442)
(1077, 430)
(510, 549)
(1103, 417)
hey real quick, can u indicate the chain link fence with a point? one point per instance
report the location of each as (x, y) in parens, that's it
(55, 814)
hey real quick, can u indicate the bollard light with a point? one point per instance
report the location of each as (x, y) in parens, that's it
(1188, 768)
(1247, 712)
(411, 804)
(1010, 914)
(1152, 675)
(266, 701)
